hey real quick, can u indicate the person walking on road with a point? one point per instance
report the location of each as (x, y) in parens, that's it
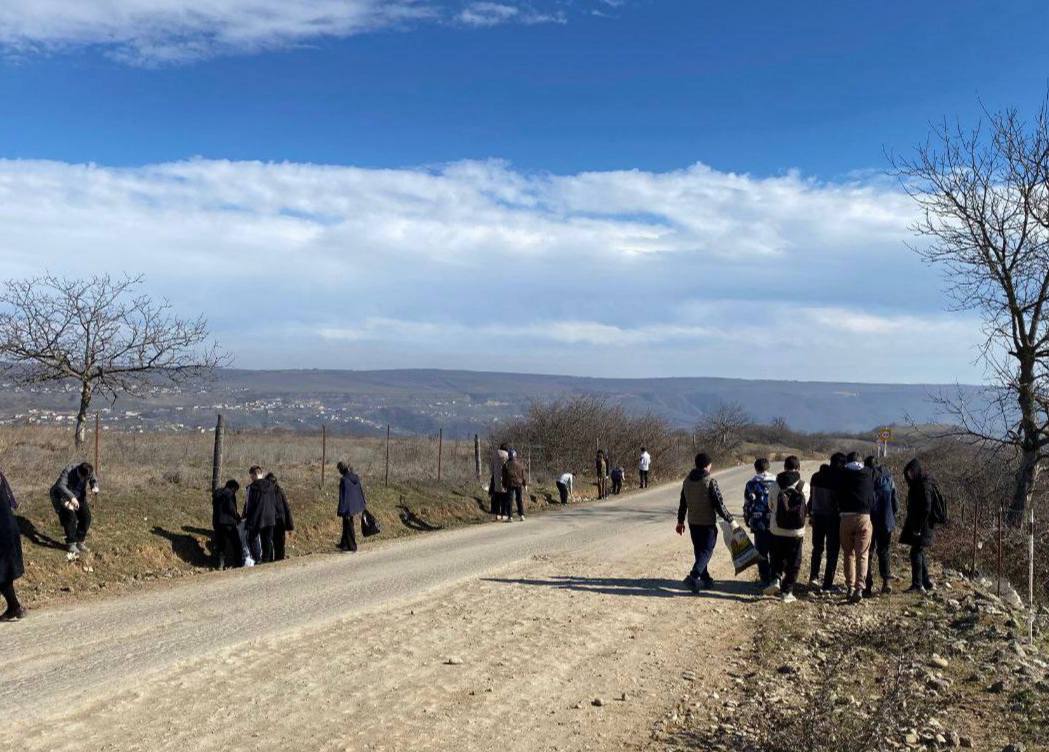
(701, 504)
(11, 564)
(351, 504)
(918, 528)
(644, 464)
(69, 499)
(564, 487)
(601, 471)
(757, 515)
(283, 523)
(855, 499)
(260, 512)
(515, 480)
(224, 521)
(496, 490)
(790, 508)
(883, 523)
(825, 522)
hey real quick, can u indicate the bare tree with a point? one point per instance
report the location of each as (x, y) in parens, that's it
(100, 333)
(984, 200)
(722, 430)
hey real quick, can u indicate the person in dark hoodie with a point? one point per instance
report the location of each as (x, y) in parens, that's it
(701, 504)
(789, 499)
(825, 522)
(260, 511)
(855, 500)
(351, 503)
(918, 527)
(11, 564)
(883, 523)
(283, 524)
(224, 521)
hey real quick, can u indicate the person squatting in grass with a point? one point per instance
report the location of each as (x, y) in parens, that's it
(789, 499)
(515, 481)
(69, 499)
(617, 476)
(825, 522)
(11, 565)
(644, 465)
(757, 515)
(883, 523)
(564, 486)
(701, 504)
(351, 504)
(855, 499)
(224, 520)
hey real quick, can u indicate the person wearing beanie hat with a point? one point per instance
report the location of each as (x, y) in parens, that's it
(701, 503)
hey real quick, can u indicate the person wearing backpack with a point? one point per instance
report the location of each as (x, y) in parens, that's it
(757, 514)
(883, 522)
(790, 499)
(701, 504)
(855, 499)
(825, 522)
(925, 509)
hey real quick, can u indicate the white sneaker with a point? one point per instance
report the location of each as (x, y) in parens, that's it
(500, 517)
(520, 518)
(508, 519)
(773, 588)
(815, 584)
(788, 598)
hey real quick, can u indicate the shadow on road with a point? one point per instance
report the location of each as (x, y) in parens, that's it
(648, 587)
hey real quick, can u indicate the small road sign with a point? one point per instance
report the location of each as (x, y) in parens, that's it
(885, 434)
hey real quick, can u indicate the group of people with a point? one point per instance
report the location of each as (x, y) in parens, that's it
(851, 506)
(508, 484)
(608, 481)
(258, 535)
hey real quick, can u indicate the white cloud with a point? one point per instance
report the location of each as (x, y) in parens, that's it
(692, 271)
(167, 31)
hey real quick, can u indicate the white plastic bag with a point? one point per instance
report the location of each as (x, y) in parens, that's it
(249, 560)
(743, 551)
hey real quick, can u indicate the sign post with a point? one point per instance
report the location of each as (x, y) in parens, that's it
(883, 437)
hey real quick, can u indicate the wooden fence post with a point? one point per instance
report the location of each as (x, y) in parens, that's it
(999, 583)
(477, 455)
(440, 451)
(216, 457)
(98, 460)
(324, 450)
(976, 521)
(387, 454)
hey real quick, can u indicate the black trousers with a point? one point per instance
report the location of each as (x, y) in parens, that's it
(826, 536)
(227, 548)
(617, 486)
(880, 547)
(562, 490)
(7, 589)
(265, 535)
(279, 540)
(786, 560)
(919, 568)
(75, 523)
(643, 478)
(704, 538)
(514, 494)
(349, 539)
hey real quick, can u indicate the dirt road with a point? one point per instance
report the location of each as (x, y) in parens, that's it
(485, 638)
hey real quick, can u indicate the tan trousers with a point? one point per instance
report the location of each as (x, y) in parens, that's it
(856, 535)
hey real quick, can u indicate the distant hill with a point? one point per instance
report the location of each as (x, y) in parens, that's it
(461, 402)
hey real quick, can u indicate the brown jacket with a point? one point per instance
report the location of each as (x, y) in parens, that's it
(515, 474)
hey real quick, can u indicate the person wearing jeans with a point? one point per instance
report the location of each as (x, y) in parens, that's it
(855, 499)
(643, 466)
(564, 487)
(69, 499)
(883, 518)
(825, 522)
(701, 504)
(757, 515)
(918, 528)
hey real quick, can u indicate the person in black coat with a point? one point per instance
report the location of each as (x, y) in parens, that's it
(224, 521)
(284, 523)
(11, 566)
(351, 502)
(260, 511)
(918, 529)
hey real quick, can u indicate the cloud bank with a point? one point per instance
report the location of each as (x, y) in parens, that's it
(154, 32)
(479, 265)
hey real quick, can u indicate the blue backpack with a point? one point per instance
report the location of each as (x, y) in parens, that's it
(756, 510)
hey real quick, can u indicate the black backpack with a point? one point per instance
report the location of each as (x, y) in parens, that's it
(939, 515)
(790, 509)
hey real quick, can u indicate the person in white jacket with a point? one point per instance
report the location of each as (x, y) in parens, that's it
(789, 502)
(643, 466)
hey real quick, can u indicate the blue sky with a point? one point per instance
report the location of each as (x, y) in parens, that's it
(625, 187)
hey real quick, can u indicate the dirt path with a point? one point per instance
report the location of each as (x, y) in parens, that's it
(484, 638)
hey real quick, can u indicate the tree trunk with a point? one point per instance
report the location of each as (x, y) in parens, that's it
(1026, 476)
(1030, 450)
(81, 416)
